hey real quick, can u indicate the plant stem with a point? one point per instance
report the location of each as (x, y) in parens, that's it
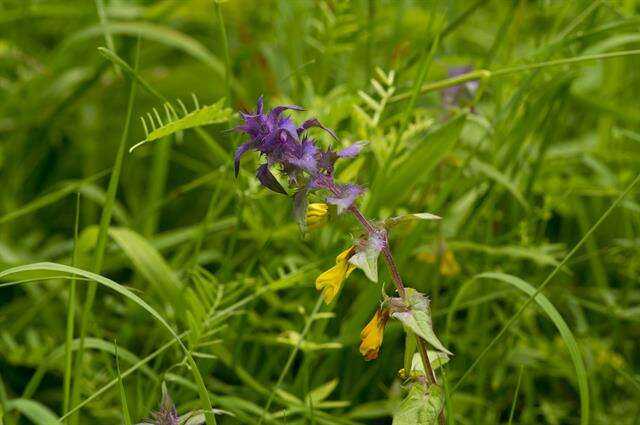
(397, 279)
(68, 354)
(225, 48)
(394, 270)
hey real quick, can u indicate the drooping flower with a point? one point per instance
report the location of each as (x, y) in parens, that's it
(372, 334)
(331, 280)
(317, 215)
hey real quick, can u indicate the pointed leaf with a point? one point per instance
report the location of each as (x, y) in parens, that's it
(37, 413)
(417, 317)
(367, 261)
(322, 392)
(367, 253)
(392, 221)
(410, 344)
(417, 165)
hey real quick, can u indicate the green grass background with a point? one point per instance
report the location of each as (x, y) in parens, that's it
(205, 282)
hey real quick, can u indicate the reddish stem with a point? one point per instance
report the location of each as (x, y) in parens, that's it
(386, 251)
(395, 275)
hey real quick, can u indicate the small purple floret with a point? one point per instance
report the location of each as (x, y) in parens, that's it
(345, 196)
(351, 150)
(454, 94)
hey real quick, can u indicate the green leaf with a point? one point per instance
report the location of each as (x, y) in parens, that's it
(420, 407)
(320, 393)
(392, 221)
(206, 115)
(409, 351)
(494, 174)
(127, 294)
(150, 264)
(417, 317)
(89, 343)
(126, 416)
(34, 411)
(563, 329)
(367, 261)
(419, 162)
(154, 32)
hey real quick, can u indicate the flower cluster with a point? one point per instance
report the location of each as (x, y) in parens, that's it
(286, 146)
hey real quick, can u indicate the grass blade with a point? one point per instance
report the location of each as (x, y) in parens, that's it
(123, 395)
(105, 221)
(71, 317)
(549, 278)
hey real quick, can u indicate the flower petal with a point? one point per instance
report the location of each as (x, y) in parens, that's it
(260, 105)
(352, 150)
(305, 158)
(372, 334)
(238, 154)
(315, 123)
(346, 197)
(275, 112)
(331, 280)
(317, 215)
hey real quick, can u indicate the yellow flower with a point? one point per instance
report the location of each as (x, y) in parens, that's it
(317, 215)
(426, 257)
(371, 335)
(448, 264)
(331, 280)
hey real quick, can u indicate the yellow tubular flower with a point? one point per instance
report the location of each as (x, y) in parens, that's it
(317, 215)
(448, 264)
(371, 335)
(331, 280)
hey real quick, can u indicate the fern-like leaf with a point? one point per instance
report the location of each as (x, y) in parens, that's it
(206, 115)
(374, 105)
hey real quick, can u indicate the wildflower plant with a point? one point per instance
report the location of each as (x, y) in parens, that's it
(309, 170)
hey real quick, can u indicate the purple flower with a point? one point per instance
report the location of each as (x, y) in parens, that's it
(286, 146)
(271, 134)
(351, 150)
(167, 415)
(345, 196)
(454, 94)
